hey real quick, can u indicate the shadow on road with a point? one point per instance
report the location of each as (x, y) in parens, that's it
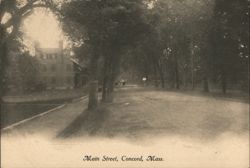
(88, 121)
(143, 113)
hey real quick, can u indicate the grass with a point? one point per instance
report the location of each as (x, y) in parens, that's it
(45, 95)
(19, 107)
(89, 120)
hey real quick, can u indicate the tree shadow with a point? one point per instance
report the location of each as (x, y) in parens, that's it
(90, 121)
(134, 120)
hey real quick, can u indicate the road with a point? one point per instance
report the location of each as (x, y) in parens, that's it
(192, 128)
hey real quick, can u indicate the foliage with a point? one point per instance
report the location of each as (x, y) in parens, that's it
(195, 41)
(179, 43)
(22, 72)
(230, 41)
(109, 27)
(9, 29)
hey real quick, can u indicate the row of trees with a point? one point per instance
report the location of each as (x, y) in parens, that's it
(194, 42)
(179, 43)
(229, 39)
(108, 29)
(176, 42)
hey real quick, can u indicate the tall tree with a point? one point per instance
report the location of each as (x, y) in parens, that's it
(12, 12)
(109, 26)
(230, 35)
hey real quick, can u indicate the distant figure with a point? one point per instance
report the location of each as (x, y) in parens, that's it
(122, 82)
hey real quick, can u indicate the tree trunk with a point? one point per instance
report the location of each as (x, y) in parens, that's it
(110, 82)
(192, 65)
(177, 80)
(104, 89)
(114, 62)
(93, 95)
(205, 84)
(3, 66)
(110, 90)
(155, 78)
(93, 84)
(104, 82)
(224, 82)
(184, 78)
(161, 75)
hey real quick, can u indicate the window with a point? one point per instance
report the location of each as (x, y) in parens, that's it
(53, 68)
(53, 80)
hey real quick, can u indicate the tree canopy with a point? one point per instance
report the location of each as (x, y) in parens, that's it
(174, 43)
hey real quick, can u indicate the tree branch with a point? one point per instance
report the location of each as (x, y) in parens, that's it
(22, 12)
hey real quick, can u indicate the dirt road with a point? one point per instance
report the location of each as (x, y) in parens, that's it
(185, 130)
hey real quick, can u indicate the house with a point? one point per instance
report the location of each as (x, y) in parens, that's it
(55, 67)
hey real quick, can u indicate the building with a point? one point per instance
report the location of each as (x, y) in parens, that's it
(56, 68)
(81, 74)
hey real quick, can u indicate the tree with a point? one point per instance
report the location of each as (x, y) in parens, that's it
(230, 39)
(109, 27)
(22, 72)
(9, 29)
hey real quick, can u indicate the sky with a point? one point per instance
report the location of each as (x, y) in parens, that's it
(42, 26)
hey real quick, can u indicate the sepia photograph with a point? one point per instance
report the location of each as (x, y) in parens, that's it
(124, 83)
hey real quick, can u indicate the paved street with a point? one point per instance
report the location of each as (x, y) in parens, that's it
(141, 120)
